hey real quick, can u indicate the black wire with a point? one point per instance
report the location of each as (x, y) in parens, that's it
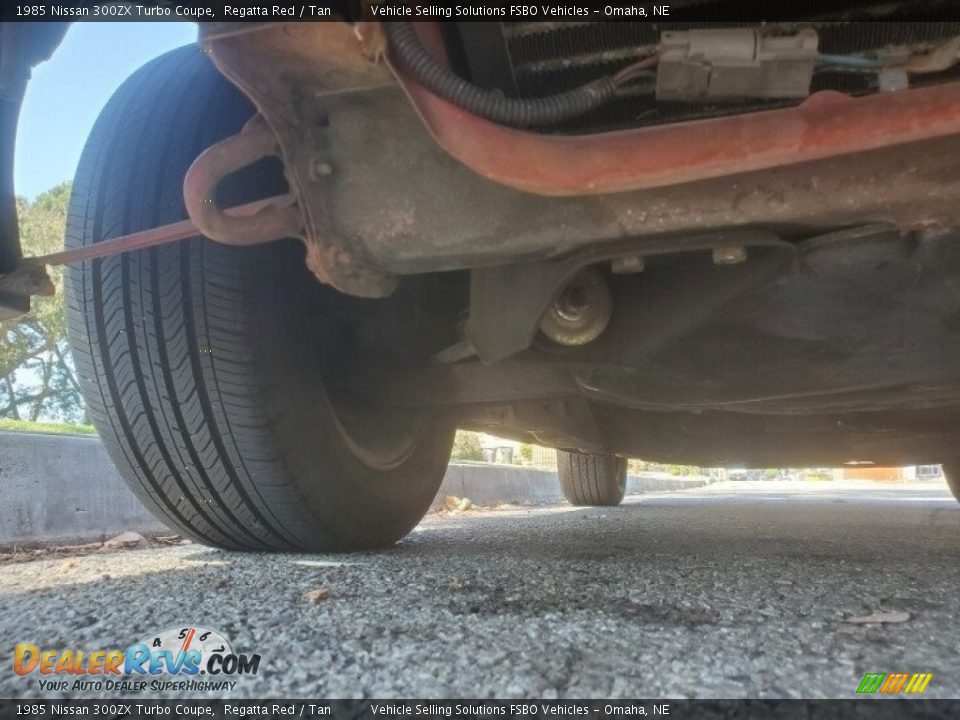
(491, 104)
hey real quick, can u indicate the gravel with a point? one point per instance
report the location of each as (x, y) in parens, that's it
(732, 590)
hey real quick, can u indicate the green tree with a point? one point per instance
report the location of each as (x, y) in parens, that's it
(466, 446)
(37, 378)
(526, 453)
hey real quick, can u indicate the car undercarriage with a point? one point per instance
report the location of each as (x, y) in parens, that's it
(724, 245)
(769, 308)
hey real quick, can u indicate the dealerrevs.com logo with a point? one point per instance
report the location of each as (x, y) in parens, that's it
(182, 658)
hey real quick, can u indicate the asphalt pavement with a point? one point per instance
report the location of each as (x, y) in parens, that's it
(749, 589)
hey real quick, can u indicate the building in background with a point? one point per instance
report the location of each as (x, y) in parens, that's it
(892, 474)
(545, 458)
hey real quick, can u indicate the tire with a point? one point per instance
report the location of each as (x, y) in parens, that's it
(204, 367)
(951, 472)
(592, 479)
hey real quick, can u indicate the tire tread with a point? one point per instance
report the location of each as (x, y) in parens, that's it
(591, 480)
(198, 435)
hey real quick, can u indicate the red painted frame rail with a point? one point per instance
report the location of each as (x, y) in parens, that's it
(828, 123)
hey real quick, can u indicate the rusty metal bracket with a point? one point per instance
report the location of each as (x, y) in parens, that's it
(254, 223)
(271, 222)
(287, 70)
(309, 220)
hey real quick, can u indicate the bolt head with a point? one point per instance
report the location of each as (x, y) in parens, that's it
(320, 169)
(730, 255)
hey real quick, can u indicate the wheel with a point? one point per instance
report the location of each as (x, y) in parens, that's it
(206, 368)
(592, 479)
(951, 472)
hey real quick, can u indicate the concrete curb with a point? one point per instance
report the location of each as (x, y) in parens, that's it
(64, 489)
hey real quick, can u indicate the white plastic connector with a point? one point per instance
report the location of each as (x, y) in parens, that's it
(735, 63)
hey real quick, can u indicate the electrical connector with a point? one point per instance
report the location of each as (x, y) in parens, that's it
(731, 64)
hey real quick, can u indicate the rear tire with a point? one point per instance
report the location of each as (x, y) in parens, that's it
(592, 480)
(951, 472)
(205, 367)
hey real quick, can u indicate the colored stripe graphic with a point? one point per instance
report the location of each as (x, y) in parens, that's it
(871, 682)
(893, 683)
(918, 683)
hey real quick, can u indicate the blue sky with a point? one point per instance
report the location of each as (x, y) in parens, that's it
(67, 92)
